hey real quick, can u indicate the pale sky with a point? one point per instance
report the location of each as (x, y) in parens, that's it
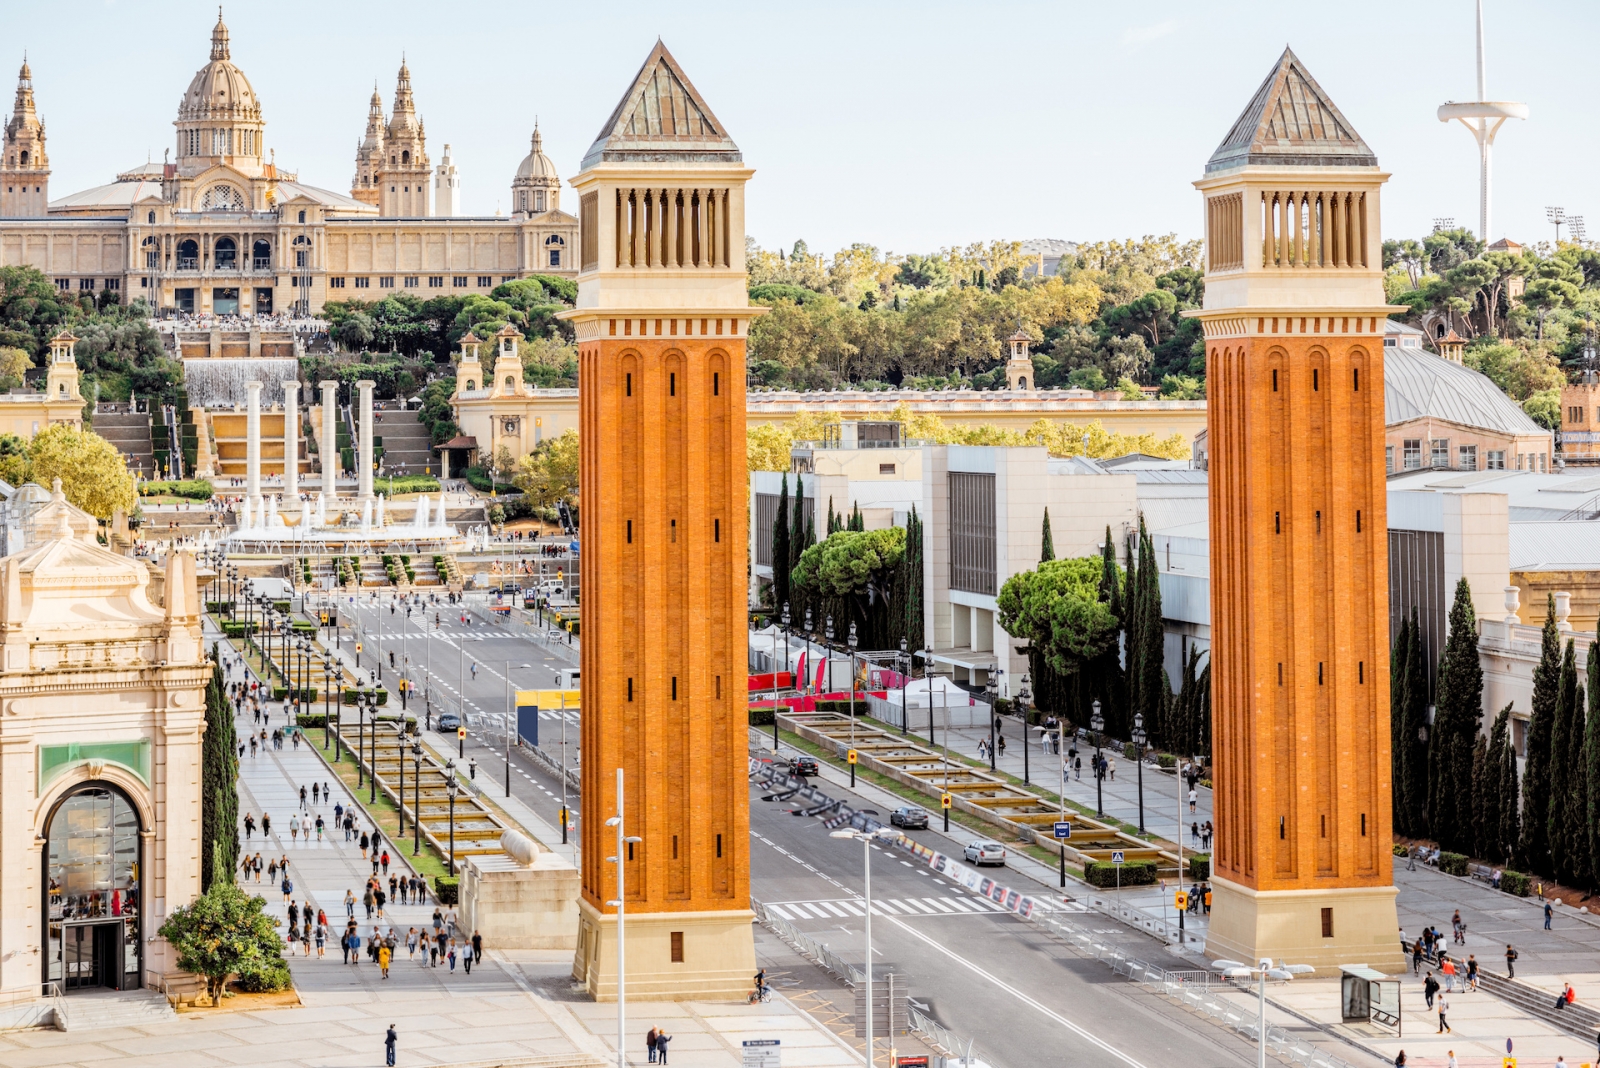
(909, 126)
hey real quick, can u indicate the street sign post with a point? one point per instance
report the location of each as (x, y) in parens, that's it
(1116, 860)
(1063, 829)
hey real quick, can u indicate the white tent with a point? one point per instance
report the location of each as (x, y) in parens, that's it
(939, 690)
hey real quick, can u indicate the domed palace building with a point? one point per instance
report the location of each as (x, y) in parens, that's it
(220, 228)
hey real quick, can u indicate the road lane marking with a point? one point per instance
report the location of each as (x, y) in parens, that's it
(940, 905)
(998, 983)
(835, 909)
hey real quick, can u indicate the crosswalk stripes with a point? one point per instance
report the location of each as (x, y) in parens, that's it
(845, 907)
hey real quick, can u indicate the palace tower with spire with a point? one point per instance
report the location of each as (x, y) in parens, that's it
(25, 168)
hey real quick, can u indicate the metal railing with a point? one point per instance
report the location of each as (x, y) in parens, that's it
(941, 1038)
(807, 946)
(31, 1007)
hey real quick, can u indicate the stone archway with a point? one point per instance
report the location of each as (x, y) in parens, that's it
(92, 888)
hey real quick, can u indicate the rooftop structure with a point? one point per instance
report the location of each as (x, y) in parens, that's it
(1483, 117)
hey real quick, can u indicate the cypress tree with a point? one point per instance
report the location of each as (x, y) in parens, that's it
(1585, 868)
(1399, 751)
(1204, 711)
(1047, 545)
(1104, 679)
(1591, 763)
(1491, 795)
(834, 524)
(1131, 644)
(1563, 834)
(1458, 710)
(780, 549)
(1480, 786)
(1534, 851)
(797, 544)
(1153, 682)
(1414, 722)
(219, 784)
(857, 522)
(913, 578)
(1510, 817)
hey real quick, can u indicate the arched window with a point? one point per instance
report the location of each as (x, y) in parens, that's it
(302, 217)
(538, 200)
(152, 219)
(261, 256)
(92, 868)
(472, 383)
(227, 254)
(24, 158)
(188, 254)
(222, 198)
(511, 384)
(405, 157)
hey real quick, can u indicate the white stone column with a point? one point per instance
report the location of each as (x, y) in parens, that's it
(291, 441)
(252, 455)
(330, 447)
(364, 461)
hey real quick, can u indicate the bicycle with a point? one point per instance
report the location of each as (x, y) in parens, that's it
(760, 995)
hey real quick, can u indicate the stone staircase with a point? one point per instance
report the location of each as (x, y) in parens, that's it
(130, 433)
(1576, 1019)
(405, 443)
(90, 1010)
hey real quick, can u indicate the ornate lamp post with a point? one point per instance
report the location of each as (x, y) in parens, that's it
(1024, 698)
(1097, 723)
(327, 696)
(452, 787)
(775, 684)
(400, 751)
(416, 794)
(902, 664)
(1138, 741)
(992, 689)
(372, 780)
(852, 641)
(361, 740)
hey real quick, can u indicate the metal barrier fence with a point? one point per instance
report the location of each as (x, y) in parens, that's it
(942, 1039)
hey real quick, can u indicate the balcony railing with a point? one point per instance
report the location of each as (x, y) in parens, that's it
(188, 263)
(261, 263)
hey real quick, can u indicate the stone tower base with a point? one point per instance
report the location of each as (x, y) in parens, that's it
(1286, 925)
(719, 955)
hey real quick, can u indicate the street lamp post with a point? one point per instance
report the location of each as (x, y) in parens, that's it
(775, 681)
(400, 751)
(372, 780)
(903, 664)
(1097, 723)
(361, 740)
(452, 787)
(1061, 753)
(1024, 696)
(1234, 969)
(992, 688)
(927, 677)
(416, 793)
(1138, 742)
(624, 841)
(852, 641)
(866, 853)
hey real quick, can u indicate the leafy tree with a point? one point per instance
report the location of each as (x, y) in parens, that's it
(1458, 709)
(14, 363)
(1445, 249)
(1150, 313)
(219, 784)
(1057, 609)
(780, 550)
(93, 473)
(1535, 848)
(1047, 545)
(855, 569)
(223, 932)
(1087, 378)
(1182, 387)
(549, 473)
(1406, 254)
(1544, 408)
(355, 332)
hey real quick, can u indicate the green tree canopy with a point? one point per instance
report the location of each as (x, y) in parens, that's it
(223, 932)
(1057, 607)
(93, 474)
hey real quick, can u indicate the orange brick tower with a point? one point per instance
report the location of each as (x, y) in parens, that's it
(1294, 313)
(661, 318)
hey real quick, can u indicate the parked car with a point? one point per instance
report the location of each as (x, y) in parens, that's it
(911, 816)
(448, 721)
(804, 766)
(985, 853)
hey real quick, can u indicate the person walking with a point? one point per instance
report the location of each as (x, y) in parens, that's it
(1511, 962)
(1416, 957)
(1448, 968)
(411, 943)
(1547, 912)
(452, 955)
(322, 936)
(266, 825)
(385, 862)
(477, 947)
(390, 1038)
(349, 904)
(1444, 1024)
(385, 954)
(1193, 796)
(1451, 1062)
(379, 898)
(650, 1044)
(287, 885)
(1430, 986)
(249, 826)
(368, 900)
(1472, 971)
(1400, 1059)
(294, 828)
(662, 1038)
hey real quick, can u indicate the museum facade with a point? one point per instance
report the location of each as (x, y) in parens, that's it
(219, 228)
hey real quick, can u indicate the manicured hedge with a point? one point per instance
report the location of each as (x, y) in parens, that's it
(1514, 882)
(1134, 873)
(761, 717)
(197, 489)
(446, 888)
(405, 484)
(219, 607)
(1200, 868)
(350, 696)
(1452, 863)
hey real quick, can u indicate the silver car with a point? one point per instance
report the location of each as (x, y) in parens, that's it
(985, 853)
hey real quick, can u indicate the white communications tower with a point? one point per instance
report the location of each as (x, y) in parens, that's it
(1484, 118)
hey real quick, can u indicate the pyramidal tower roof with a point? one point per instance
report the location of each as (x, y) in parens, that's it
(1290, 122)
(662, 119)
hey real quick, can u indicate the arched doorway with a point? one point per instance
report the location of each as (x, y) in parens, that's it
(92, 891)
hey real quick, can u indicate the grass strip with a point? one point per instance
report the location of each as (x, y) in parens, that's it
(430, 862)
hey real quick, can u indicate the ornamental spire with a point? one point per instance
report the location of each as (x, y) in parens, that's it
(219, 37)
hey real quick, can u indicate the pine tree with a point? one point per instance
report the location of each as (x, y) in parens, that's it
(1563, 742)
(780, 549)
(1047, 545)
(1491, 795)
(1458, 710)
(1534, 851)
(219, 784)
(1591, 763)
(1399, 744)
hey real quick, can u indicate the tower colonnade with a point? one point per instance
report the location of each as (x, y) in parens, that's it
(671, 227)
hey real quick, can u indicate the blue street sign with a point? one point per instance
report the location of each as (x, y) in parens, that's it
(1063, 829)
(1116, 857)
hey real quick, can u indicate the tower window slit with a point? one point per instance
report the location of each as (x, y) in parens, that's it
(630, 689)
(1324, 828)
(1361, 672)
(629, 383)
(1280, 673)
(1316, 382)
(719, 687)
(672, 384)
(674, 847)
(1277, 522)
(630, 850)
(1319, 522)
(630, 532)
(1357, 373)
(1363, 825)
(719, 845)
(716, 530)
(674, 687)
(1358, 521)
(1319, 673)
(674, 531)
(716, 383)
(1281, 830)
(1274, 380)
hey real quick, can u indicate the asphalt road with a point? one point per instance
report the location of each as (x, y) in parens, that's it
(1022, 996)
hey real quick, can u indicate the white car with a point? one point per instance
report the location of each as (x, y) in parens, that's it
(985, 853)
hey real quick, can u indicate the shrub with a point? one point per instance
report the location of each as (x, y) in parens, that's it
(1166, 760)
(405, 484)
(842, 706)
(478, 479)
(1514, 882)
(446, 888)
(1200, 868)
(220, 607)
(1130, 751)
(281, 606)
(761, 717)
(264, 976)
(1134, 873)
(307, 720)
(1401, 850)
(196, 489)
(1452, 863)
(350, 696)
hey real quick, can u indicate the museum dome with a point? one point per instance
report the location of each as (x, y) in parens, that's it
(219, 89)
(536, 164)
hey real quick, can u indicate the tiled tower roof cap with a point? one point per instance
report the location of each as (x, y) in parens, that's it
(1290, 122)
(662, 119)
